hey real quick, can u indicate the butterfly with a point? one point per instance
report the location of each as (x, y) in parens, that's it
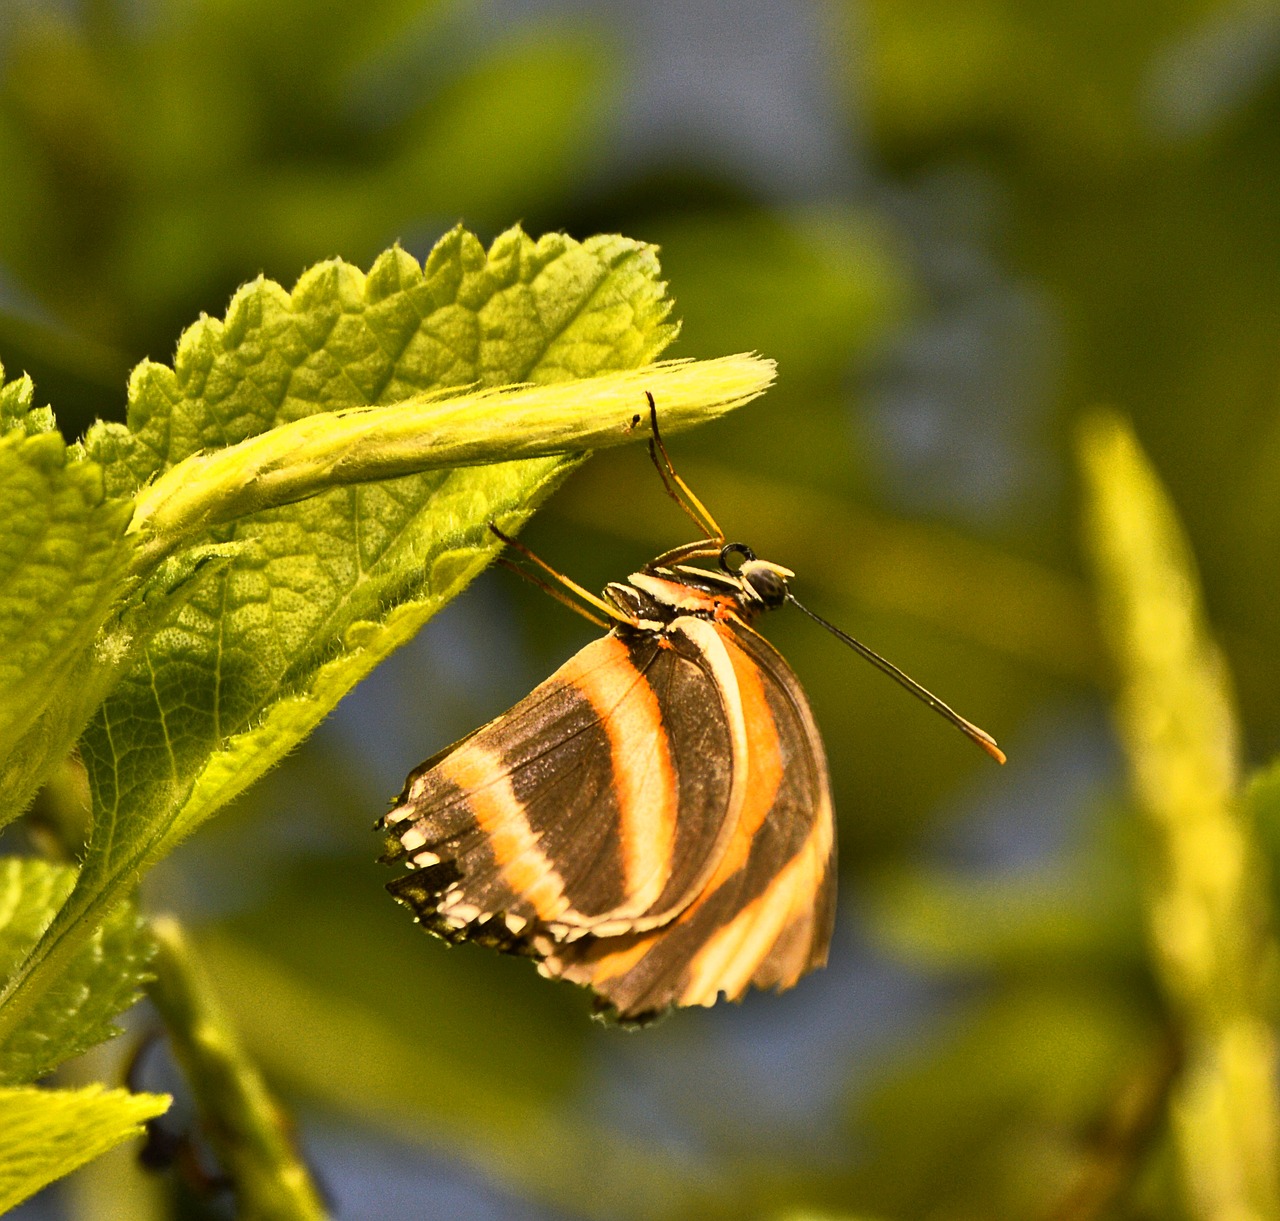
(654, 821)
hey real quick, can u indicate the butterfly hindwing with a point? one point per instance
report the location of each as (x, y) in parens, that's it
(764, 917)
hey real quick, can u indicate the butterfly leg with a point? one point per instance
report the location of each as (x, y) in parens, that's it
(677, 489)
(615, 616)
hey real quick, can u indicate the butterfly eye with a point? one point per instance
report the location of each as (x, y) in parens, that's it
(769, 584)
(742, 551)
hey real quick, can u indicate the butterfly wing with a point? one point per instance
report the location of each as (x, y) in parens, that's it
(764, 916)
(600, 803)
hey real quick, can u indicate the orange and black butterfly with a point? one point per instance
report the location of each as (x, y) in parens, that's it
(654, 821)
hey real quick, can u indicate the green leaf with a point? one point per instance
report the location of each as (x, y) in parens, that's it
(322, 590)
(542, 311)
(30, 892)
(16, 410)
(292, 462)
(100, 981)
(45, 1134)
(62, 565)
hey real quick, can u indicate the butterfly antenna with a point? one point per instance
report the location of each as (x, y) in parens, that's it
(684, 497)
(968, 728)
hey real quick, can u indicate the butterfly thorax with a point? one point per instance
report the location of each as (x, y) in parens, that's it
(659, 594)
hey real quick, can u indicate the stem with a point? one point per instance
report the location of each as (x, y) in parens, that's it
(244, 1123)
(1207, 914)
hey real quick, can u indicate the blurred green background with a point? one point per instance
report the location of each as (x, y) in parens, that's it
(955, 224)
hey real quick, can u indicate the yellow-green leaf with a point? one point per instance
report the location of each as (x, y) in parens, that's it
(45, 1134)
(101, 980)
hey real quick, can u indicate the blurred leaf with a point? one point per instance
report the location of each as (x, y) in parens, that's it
(806, 1214)
(103, 979)
(320, 591)
(1207, 916)
(1061, 1073)
(179, 126)
(399, 1076)
(471, 150)
(45, 1134)
(995, 1121)
(69, 363)
(499, 163)
(1042, 154)
(1025, 924)
(341, 42)
(1034, 73)
(326, 920)
(1262, 809)
(115, 1184)
(742, 275)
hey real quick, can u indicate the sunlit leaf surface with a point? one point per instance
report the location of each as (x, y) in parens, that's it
(103, 979)
(45, 1134)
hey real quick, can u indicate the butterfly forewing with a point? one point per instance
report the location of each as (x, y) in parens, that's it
(599, 804)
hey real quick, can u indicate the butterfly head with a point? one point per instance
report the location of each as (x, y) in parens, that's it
(762, 583)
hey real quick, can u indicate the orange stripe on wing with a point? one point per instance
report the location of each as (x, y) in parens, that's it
(764, 774)
(482, 777)
(644, 781)
(619, 962)
(732, 955)
(763, 766)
